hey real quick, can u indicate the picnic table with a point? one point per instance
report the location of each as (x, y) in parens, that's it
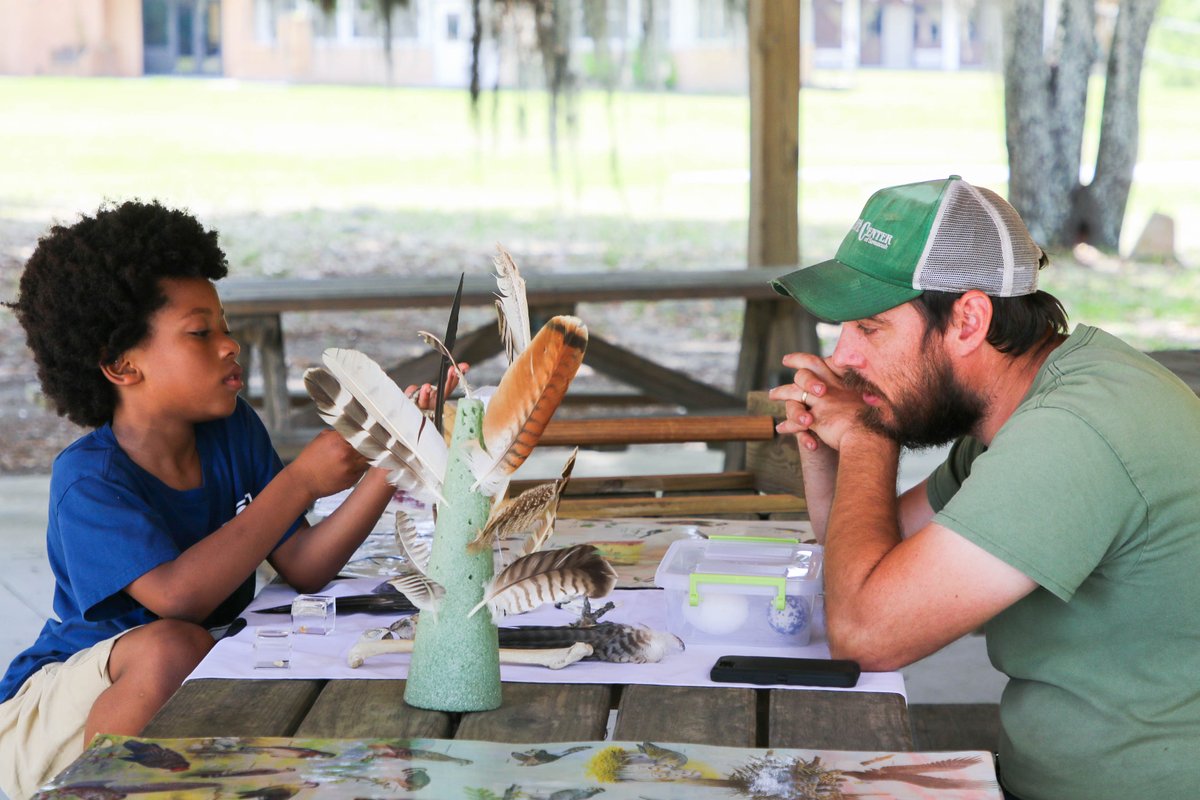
(255, 309)
(555, 712)
(541, 713)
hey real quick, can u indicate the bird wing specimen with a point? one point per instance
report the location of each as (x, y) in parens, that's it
(534, 510)
(547, 577)
(355, 396)
(415, 549)
(512, 310)
(528, 394)
(610, 641)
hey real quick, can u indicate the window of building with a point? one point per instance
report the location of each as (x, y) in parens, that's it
(714, 19)
(267, 14)
(367, 24)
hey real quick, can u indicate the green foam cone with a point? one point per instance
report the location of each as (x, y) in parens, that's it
(456, 659)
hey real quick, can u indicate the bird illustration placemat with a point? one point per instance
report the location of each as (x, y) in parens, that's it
(278, 769)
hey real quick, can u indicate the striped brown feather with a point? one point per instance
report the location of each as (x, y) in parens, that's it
(526, 399)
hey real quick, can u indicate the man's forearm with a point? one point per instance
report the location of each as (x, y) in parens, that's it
(863, 527)
(818, 470)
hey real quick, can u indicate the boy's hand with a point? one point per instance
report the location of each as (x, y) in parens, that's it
(425, 395)
(327, 465)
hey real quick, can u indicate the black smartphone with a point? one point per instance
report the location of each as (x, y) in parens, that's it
(771, 670)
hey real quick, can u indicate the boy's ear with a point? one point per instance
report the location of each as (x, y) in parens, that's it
(121, 372)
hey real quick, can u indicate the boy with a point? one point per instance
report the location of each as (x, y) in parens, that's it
(160, 516)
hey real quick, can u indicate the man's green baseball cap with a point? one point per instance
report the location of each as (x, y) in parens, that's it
(944, 235)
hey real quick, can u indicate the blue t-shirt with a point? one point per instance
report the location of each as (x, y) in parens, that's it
(112, 522)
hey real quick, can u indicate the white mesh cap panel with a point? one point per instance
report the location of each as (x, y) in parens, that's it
(978, 242)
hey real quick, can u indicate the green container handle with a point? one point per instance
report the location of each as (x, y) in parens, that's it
(698, 578)
(721, 537)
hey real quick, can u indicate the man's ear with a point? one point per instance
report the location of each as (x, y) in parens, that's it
(121, 372)
(971, 321)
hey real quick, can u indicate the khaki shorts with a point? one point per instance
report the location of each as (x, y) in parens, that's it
(41, 727)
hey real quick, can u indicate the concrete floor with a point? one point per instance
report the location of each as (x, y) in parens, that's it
(959, 673)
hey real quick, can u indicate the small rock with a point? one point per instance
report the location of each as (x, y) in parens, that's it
(1157, 242)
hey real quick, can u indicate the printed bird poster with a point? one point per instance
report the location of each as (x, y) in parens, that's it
(279, 768)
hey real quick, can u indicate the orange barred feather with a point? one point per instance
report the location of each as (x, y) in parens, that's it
(526, 399)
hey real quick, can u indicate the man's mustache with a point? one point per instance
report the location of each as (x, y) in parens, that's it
(856, 382)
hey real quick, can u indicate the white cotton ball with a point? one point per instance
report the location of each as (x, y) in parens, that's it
(717, 614)
(792, 618)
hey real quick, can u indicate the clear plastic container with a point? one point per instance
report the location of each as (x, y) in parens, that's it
(745, 590)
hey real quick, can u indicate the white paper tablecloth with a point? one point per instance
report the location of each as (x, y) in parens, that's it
(317, 657)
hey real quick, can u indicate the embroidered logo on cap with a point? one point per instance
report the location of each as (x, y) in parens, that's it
(871, 235)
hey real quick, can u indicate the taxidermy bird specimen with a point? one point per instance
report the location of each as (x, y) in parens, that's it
(455, 662)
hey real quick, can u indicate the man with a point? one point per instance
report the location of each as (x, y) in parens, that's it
(1066, 519)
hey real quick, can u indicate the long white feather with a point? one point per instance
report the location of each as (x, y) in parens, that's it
(386, 417)
(415, 549)
(512, 308)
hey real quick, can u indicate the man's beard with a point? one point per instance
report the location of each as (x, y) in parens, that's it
(935, 410)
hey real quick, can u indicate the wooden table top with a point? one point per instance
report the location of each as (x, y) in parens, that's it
(542, 712)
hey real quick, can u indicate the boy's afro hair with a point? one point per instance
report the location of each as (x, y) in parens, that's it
(89, 289)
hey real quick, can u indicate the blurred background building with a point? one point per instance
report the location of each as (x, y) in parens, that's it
(699, 45)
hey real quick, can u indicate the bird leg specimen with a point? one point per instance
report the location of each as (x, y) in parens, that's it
(371, 644)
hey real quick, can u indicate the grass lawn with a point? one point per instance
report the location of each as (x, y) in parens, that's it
(311, 180)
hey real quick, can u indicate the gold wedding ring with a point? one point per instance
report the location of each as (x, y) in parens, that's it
(804, 398)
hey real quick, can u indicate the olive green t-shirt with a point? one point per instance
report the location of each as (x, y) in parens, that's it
(1092, 489)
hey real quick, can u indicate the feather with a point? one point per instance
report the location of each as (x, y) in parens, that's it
(424, 593)
(436, 343)
(610, 641)
(439, 399)
(415, 549)
(528, 395)
(533, 511)
(357, 398)
(512, 310)
(547, 577)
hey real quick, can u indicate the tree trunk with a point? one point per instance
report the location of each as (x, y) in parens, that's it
(1101, 204)
(1046, 69)
(1045, 95)
(476, 44)
(553, 24)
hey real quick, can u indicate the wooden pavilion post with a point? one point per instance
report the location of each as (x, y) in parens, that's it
(773, 329)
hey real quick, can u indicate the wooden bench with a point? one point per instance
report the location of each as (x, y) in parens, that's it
(255, 309)
(769, 486)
